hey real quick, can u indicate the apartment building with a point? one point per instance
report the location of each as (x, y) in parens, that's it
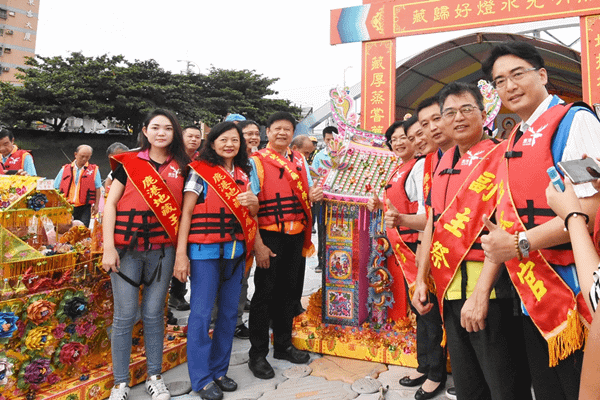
(18, 32)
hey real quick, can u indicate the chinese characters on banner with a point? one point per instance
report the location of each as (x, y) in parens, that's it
(590, 58)
(378, 85)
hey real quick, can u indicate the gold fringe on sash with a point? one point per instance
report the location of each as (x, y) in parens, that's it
(444, 338)
(568, 340)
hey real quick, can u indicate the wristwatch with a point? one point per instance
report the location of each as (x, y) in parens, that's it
(524, 245)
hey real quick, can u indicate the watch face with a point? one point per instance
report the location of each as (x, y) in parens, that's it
(524, 244)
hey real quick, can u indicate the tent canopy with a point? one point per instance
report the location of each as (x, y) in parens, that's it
(460, 59)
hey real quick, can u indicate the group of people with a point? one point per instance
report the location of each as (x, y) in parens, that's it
(202, 216)
(499, 264)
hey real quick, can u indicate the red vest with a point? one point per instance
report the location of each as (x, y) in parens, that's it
(134, 218)
(87, 179)
(15, 161)
(447, 180)
(278, 203)
(396, 192)
(212, 219)
(527, 162)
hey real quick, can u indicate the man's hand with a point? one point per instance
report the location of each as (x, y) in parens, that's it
(392, 216)
(263, 255)
(315, 193)
(21, 172)
(499, 245)
(420, 299)
(94, 209)
(374, 203)
(474, 312)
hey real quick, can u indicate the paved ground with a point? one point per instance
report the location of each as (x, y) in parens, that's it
(326, 377)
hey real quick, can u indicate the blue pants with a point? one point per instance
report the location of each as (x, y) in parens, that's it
(212, 279)
(136, 265)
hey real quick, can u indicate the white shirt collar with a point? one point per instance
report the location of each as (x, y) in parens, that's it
(537, 113)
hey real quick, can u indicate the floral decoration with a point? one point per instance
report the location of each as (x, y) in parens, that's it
(72, 306)
(8, 324)
(6, 370)
(37, 371)
(72, 352)
(37, 201)
(40, 311)
(38, 338)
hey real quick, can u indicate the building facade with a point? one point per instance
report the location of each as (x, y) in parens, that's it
(18, 32)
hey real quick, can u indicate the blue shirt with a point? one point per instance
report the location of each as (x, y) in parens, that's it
(318, 159)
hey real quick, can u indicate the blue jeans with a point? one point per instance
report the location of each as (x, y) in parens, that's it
(209, 280)
(135, 265)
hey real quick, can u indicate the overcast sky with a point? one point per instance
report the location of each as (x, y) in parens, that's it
(277, 38)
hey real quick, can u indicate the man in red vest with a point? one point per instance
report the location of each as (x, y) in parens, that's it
(14, 160)
(81, 184)
(529, 238)
(281, 181)
(475, 298)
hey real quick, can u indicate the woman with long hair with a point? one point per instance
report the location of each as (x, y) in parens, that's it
(216, 232)
(140, 229)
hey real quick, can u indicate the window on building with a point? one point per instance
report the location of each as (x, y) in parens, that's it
(3, 13)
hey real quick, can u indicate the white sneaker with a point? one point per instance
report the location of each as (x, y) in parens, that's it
(155, 386)
(119, 392)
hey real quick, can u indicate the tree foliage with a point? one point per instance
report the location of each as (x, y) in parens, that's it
(111, 87)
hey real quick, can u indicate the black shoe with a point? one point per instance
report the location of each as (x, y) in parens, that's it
(451, 393)
(247, 305)
(293, 355)
(211, 392)
(241, 332)
(171, 320)
(261, 368)
(406, 381)
(318, 269)
(178, 303)
(226, 384)
(423, 395)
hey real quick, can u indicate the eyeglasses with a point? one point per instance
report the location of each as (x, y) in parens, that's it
(514, 76)
(466, 110)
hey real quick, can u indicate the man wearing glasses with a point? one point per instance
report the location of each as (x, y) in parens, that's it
(475, 298)
(546, 280)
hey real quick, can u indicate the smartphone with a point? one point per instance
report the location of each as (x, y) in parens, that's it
(580, 171)
(11, 172)
(555, 179)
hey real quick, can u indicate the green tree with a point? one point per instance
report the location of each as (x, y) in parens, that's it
(55, 88)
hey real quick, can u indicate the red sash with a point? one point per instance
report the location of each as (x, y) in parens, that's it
(404, 255)
(155, 192)
(223, 184)
(550, 302)
(461, 219)
(299, 185)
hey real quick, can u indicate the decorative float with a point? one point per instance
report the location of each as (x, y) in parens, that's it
(55, 301)
(361, 310)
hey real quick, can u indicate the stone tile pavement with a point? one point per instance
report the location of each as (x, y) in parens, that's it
(327, 377)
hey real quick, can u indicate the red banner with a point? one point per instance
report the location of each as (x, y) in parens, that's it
(384, 20)
(590, 58)
(378, 85)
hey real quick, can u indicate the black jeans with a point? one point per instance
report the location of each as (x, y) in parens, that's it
(83, 214)
(489, 364)
(276, 294)
(431, 356)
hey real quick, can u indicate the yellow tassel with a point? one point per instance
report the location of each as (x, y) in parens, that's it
(444, 338)
(568, 340)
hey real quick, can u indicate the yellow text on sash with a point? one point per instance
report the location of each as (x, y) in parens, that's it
(484, 182)
(438, 255)
(526, 275)
(160, 199)
(458, 223)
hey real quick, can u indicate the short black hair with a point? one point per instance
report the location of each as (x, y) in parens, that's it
(390, 131)
(523, 50)
(243, 124)
(410, 122)
(329, 129)
(6, 133)
(428, 102)
(196, 127)
(281, 116)
(458, 88)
